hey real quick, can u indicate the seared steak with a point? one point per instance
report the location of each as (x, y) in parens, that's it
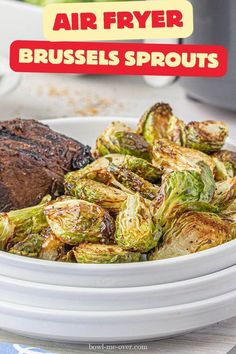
(33, 161)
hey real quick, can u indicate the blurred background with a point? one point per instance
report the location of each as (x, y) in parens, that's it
(43, 96)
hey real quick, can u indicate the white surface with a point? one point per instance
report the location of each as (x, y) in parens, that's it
(115, 326)
(114, 275)
(18, 21)
(108, 299)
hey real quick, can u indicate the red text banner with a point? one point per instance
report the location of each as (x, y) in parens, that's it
(118, 58)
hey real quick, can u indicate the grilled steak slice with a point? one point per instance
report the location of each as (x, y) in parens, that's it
(33, 161)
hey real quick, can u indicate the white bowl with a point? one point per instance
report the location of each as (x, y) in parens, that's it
(115, 326)
(114, 275)
(114, 299)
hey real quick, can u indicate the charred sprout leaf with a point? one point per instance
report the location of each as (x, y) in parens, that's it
(6, 230)
(30, 246)
(95, 192)
(171, 157)
(137, 165)
(26, 221)
(52, 248)
(207, 136)
(225, 193)
(69, 257)
(228, 159)
(222, 171)
(182, 190)
(92, 253)
(107, 142)
(135, 229)
(176, 131)
(193, 232)
(154, 123)
(119, 139)
(74, 221)
(134, 183)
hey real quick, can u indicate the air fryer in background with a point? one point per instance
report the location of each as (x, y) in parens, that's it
(214, 23)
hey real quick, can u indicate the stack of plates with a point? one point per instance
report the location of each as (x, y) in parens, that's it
(117, 302)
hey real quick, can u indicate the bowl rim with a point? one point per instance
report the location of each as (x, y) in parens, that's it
(121, 290)
(215, 251)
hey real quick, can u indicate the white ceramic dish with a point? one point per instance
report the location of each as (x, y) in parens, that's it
(114, 299)
(115, 326)
(115, 275)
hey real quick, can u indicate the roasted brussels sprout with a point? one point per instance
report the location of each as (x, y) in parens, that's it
(97, 253)
(222, 172)
(118, 138)
(95, 192)
(181, 191)
(137, 165)
(193, 232)
(207, 136)
(171, 157)
(228, 158)
(225, 193)
(133, 182)
(153, 125)
(176, 131)
(7, 228)
(17, 224)
(75, 221)
(52, 248)
(135, 229)
(29, 246)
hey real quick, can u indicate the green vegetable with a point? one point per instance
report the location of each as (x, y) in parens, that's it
(29, 246)
(134, 183)
(74, 221)
(183, 190)
(171, 157)
(135, 229)
(153, 125)
(207, 136)
(96, 253)
(95, 192)
(119, 139)
(193, 232)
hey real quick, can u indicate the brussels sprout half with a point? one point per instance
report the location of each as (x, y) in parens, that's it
(183, 190)
(97, 253)
(135, 229)
(120, 139)
(95, 192)
(207, 136)
(193, 232)
(171, 157)
(75, 221)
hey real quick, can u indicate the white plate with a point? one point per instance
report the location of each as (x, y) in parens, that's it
(114, 275)
(113, 299)
(115, 326)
